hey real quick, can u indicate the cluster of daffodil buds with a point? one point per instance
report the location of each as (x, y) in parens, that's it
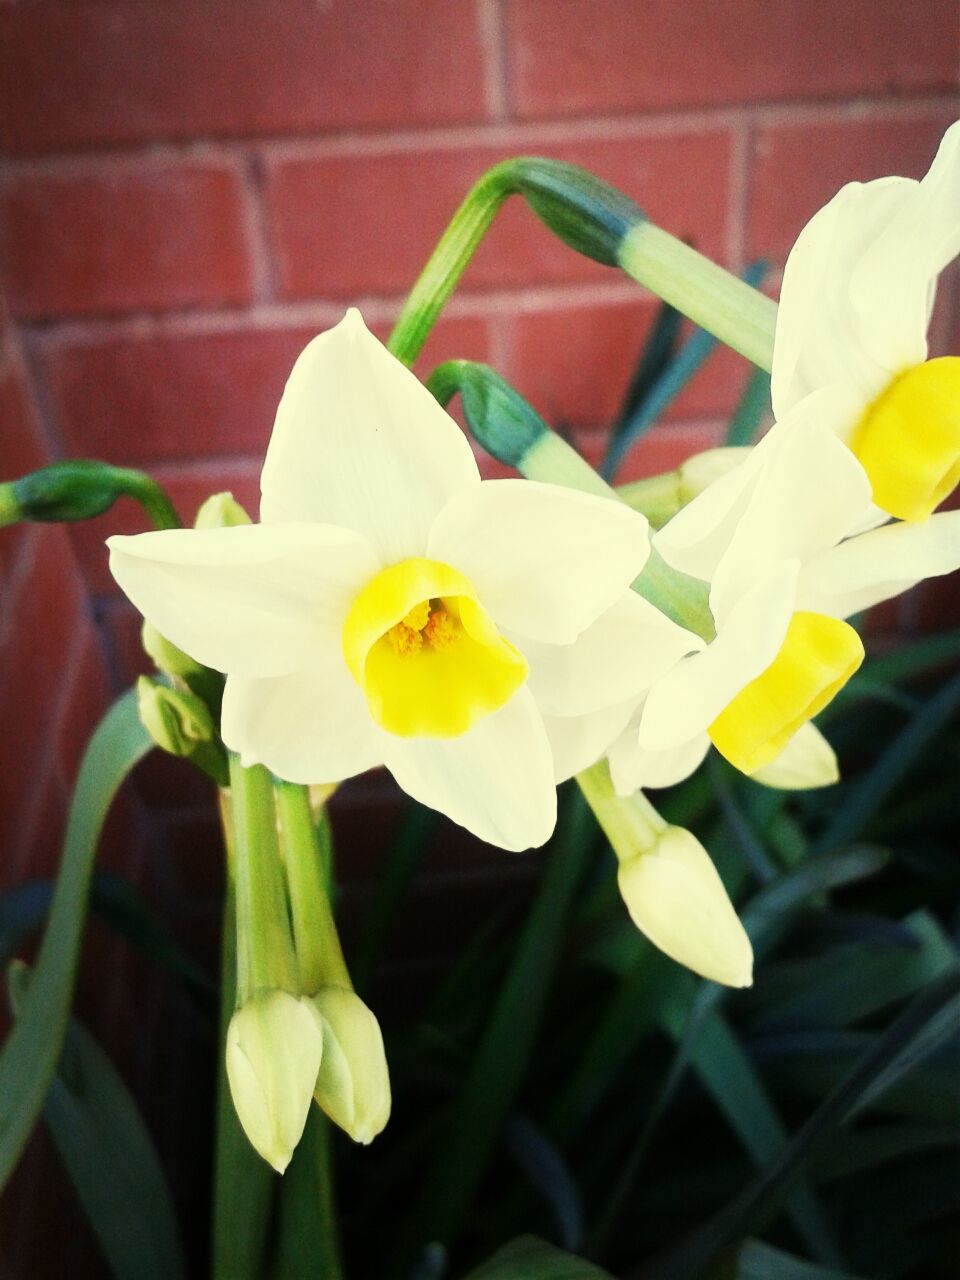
(487, 640)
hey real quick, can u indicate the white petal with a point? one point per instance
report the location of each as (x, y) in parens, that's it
(579, 741)
(626, 650)
(893, 282)
(694, 540)
(676, 898)
(249, 598)
(687, 700)
(810, 493)
(358, 441)
(310, 726)
(633, 767)
(808, 760)
(545, 561)
(877, 565)
(822, 336)
(496, 780)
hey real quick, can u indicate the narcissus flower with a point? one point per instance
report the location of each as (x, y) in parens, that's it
(391, 608)
(778, 541)
(855, 304)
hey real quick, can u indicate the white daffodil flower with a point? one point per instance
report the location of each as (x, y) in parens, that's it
(774, 541)
(391, 608)
(855, 304)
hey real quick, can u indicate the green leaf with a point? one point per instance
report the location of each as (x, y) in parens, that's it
(29, 1056)
(307, 1226)
(925, 1025)
(109, 1156)
(403, 863)
(531, 1259)
(476, 1120)
(754, 403)
(758, 1261)
(867, 794)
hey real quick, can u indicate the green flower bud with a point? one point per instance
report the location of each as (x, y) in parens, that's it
(79, 489)
(353, 1084)
(177, 721)
(582, 210)
(165, 655)
(220, 511)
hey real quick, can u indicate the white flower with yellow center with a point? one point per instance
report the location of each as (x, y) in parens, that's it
(773, 539)
(391, 608)
(855, 304)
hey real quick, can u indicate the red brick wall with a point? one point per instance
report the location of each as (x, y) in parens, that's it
(192, 188)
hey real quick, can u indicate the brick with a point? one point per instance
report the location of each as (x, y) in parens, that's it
(348, 225)
(22, 448)
(42, 608)
(574, 364)
(797, 168)
(118, 236)
(140, 396)
(588, 56)
(78, 74)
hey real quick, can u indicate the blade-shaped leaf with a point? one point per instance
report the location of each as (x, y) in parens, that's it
(30, 1053)
(531, 1259)
(109, 1156)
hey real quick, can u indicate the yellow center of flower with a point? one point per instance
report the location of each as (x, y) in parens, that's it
(425, 652)
(908, 440)
(817, 658)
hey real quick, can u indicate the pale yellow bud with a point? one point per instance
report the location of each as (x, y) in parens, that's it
(676, 898)
(220, 511)
(274, 1050)
(353, 1085)
(807, 761)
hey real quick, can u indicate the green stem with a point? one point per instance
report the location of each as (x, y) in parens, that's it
(242, 1182)
(265, 956)
(631, 823)
(711, 297)
(319, 955)
(585, 212)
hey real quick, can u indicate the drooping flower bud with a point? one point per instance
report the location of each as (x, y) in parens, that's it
(353, 1085)
(273, 1053)
(676, 898)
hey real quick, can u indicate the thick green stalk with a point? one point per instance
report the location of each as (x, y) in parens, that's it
(265, 956)
(586, 213)
(711, 297)
(631, 825)
(601, 223)
(242, 1182)
(319, 955)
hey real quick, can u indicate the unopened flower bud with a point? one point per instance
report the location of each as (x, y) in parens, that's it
(807, 761)
(353, 1085)
(165, 655)
(177, 721)
(676, 898)
(274, 1049)
(220, 511)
